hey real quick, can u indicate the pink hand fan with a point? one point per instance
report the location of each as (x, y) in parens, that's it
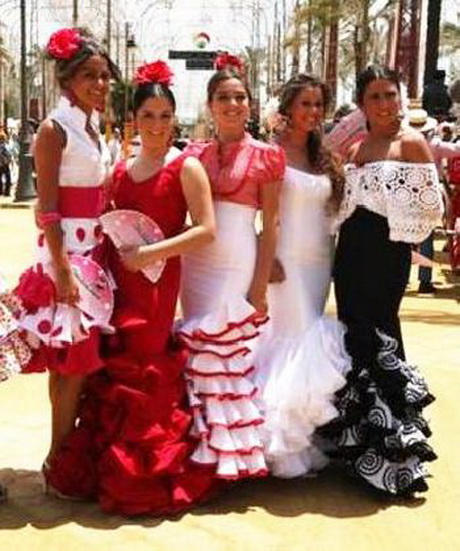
(132, 228)
(348, 131)
(96, 295)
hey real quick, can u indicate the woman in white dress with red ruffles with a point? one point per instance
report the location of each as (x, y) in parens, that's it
(224, 284)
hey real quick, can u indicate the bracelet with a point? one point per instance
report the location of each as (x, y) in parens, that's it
(47, 218)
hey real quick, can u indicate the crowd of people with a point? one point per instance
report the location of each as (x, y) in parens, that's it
(152, 415)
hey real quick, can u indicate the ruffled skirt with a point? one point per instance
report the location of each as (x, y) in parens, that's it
(380, 431)
(297, 378)
(131, 448)
(219, 329)
(14, 351)
(63, 338)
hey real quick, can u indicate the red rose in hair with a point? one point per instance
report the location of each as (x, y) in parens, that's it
(64, 44)
(229, 61)
(158, 71)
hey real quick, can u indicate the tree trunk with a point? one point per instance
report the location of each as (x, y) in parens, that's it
(331, 61)
(308, 65)
(361, 38)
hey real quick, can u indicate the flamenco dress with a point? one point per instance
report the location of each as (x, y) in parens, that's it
(131, 448)
(301, 359)
(220, 326)
(63, 338)
(381, 432)
(14, 351)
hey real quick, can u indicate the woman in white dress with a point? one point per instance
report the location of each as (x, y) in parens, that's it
(301, 359)
(224, 284)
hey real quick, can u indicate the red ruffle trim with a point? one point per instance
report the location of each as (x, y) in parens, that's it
(238, 352)
(200, 335)
(235, 374)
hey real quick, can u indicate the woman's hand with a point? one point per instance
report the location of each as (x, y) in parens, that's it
(277, 275)
(66, 286)
(259, 301)
(134, 259)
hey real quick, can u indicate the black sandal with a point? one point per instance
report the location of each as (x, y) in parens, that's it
(3, 494)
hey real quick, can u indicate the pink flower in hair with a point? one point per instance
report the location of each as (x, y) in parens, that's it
(158, 71)
(64, 44)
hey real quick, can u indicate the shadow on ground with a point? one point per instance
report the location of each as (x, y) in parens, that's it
(331, 494)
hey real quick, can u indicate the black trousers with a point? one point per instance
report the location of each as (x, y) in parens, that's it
(370, 277)
(5, 180)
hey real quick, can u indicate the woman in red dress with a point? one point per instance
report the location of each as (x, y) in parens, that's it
(131, 447)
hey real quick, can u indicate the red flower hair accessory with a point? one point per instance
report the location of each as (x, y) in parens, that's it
(158, 71)
(64, 44)
(229, 61)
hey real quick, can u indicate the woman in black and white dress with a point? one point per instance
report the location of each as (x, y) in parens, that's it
(392, 200)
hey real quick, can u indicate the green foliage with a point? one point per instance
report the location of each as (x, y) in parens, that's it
(450, 38)
(357, 20)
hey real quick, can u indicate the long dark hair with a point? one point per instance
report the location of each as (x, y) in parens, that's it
(65, 69)
(375, 72)
(322, 159)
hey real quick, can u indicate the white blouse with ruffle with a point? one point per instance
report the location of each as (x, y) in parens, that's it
(407, 194)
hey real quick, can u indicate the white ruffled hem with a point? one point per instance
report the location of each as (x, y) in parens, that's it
(58, 326)
(298, 378)
(226, 418)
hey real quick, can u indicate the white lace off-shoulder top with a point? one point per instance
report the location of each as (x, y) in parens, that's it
(407, 194)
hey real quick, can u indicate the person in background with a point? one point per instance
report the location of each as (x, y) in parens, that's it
(443, 150)
(419, 120)
(114, 145)
(5, 166)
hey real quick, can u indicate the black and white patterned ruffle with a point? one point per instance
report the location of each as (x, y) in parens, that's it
(380, 430)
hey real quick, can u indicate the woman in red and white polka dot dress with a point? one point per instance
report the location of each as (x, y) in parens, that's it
(72, 163)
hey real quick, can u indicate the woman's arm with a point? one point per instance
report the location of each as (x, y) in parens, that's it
(266, 246)
(47, 155)
(197, 192)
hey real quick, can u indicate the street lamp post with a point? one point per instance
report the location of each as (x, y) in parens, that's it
(75, 13)
(25, 188)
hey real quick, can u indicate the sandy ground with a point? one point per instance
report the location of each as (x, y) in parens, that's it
(328, 513)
